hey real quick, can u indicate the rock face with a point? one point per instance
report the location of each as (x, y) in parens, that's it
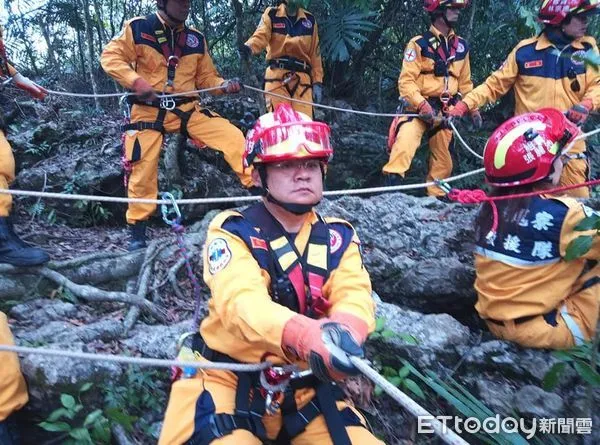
(418, 252)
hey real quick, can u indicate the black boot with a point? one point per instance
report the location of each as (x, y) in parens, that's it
(137, 236)
(9, 434)
(15, 251)
(391, 179)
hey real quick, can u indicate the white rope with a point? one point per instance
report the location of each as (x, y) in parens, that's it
(140, 361)
(462, 141)
(160, 96)
(578, 138)
(328, 107)
(227, 199)
(446, 434)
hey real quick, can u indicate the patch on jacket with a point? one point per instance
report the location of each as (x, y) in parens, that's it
(335, 240)
(460, 48)
(148, 37)
(219, 255)
(410, 55)
(279, 25)
(534, 64)
(258, 243)
(192, 41)
(307, 23)
(577, 57)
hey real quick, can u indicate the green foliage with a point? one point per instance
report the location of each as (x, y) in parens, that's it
(582, 244)
(580, 358)
(126, 403)
(77, 425)
(465, 403)
(589, 58)
(345, 31)
(381, 332)
(400, 379)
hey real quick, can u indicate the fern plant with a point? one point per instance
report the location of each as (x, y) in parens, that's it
(345, 31)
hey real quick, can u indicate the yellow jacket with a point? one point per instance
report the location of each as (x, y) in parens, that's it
(523, 272)
(282, 38)
(418, 82)
(136, 53)
(11, 70)
(542, 77)
(243, 321)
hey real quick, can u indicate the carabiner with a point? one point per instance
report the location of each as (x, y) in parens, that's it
(167, 103)
(164, 208)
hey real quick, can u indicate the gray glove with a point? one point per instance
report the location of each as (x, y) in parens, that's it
(317, 93)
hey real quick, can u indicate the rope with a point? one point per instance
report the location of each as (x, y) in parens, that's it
(327, 107)
(160, 96)
(578, 138)
(447, 435)
(140, 361)
(226, 199)
(462, 141)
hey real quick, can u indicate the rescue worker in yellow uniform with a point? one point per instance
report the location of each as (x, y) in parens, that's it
(527, 292)
(159, 53)
(547, 71)
(294, 68)
(13, 391)
(435, 71)
(287, 286)
(13, 250)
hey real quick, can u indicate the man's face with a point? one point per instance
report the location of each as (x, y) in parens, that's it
(577, 26)
(452, 15)
(295, 182)
(178, 9)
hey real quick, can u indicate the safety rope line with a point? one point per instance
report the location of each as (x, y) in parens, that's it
(580, 137)
(362, 365)
(140, 361)
(329, 107)
(226, 199)
(160, 96)
(249, 87)
(446, 434)
(462, 141)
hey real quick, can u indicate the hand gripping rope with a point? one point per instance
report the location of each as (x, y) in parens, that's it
(362, 365)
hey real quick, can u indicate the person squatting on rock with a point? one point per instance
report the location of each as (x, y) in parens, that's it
(547, 71)
(435, 72)
(13, 250)
(159, 53)
(527, 292)
(294, 68)
(288, 286)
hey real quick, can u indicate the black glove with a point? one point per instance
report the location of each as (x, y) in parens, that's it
(317, 93)
(339, 343)
(245, 52)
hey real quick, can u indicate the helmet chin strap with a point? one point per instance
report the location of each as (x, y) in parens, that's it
(296, 209)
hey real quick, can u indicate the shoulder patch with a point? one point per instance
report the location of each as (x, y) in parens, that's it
(335, 240)
(192, 40)
(218, 255)
(410, 55)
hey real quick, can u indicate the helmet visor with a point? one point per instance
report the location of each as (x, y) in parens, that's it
(295, 140)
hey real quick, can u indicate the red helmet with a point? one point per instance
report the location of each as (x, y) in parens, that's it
(554, 12)
(522, 149)
(286, 134)
(432, 5)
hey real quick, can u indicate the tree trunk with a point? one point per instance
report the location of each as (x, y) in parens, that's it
(471, 19)
(102, 37)
(46, 34)
(90, 53)
(81, 52)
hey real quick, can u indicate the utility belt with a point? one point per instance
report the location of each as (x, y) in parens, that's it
(443, 101)
(290, 63)
(550, 318)
(250, 406)
(164, 105)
